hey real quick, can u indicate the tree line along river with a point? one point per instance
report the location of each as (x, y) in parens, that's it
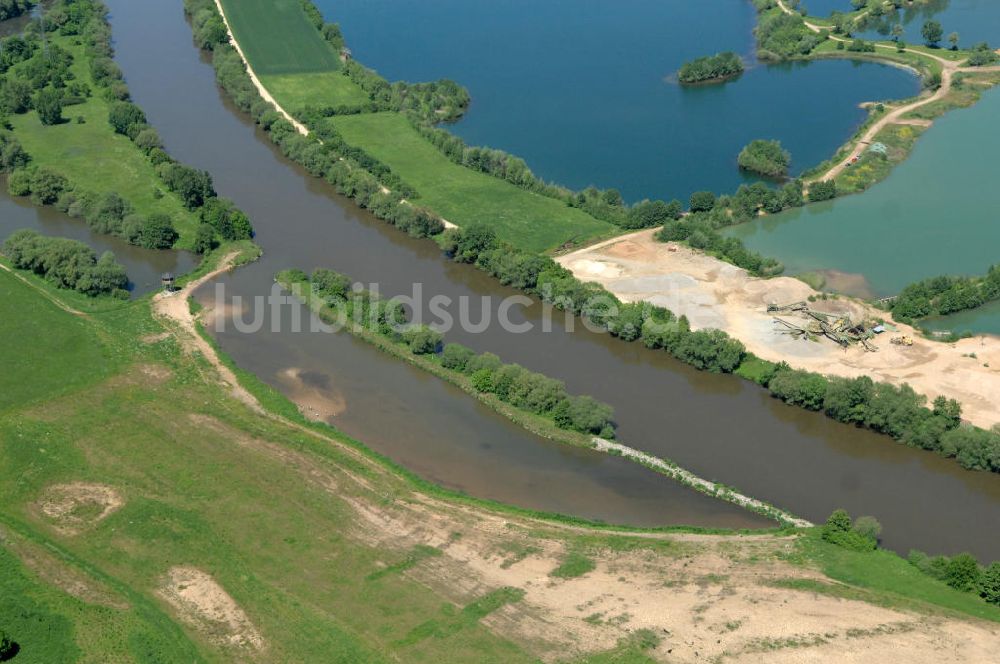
(717, 426)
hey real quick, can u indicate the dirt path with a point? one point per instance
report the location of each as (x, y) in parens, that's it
(54, 300)
(895, 116)
(299, 127)
(715, 294)
(174, 310)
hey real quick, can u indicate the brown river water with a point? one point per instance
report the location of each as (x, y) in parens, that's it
(717, 426)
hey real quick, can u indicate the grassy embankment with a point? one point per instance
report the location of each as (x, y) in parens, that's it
(300, 68)
(261, 504)
(93, 157)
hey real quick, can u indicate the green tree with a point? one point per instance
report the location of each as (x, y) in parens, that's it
(962, 572)
(823, 190)
(157, 232)
(765, 157)
(989, 584)
(422, 340)
(456, 356)
(46, 186)
(868, 527)
(204, 239)
(932, 32)
(49, 104)
(702, 201)
(953, 40)
(897, 32)
(8, 648)
(123, 115)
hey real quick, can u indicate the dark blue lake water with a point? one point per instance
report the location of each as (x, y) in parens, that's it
(582, 89)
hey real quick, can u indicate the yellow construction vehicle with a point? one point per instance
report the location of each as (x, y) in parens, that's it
(902, 341)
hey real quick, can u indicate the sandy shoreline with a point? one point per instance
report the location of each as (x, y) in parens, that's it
(715, 294)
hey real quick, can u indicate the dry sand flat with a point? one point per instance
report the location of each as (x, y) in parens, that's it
(715, 294)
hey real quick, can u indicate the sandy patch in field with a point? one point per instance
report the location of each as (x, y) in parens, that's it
(715, 294)
(73, 508)
(709, 598)
(313, 393)
(206, 606)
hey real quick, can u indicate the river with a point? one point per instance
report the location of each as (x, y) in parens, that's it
(717, 426)
(583, 89)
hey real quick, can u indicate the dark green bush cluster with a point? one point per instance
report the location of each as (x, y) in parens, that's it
(657, 327)
(711, 67)
(12, 8)
(511, 383)
(823, 190)
(435, 101)
(765, 157)
(857, 536)
(67, 263)
(484, 160)
(982, 56)
(860, 46)
(962, 572)
(938, 296)
(783, 36)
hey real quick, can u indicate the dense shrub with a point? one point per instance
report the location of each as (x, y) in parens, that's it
(782, 36)
(66, 263)
(765, 157)
(939, 296)
(839, 530)
(823, 190)
(712, 67)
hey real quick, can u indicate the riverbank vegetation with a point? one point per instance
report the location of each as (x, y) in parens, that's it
(711, 68)
(12, 8)
(67, 263)
(383, 321)
(898, 412)
(961, 572)
(767, 158)
(940, 296)
(79, 144)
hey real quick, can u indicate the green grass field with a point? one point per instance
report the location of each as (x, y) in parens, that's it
(92, 156)
(526, 220)
(46, 351)
(277, 37)
(295, 91)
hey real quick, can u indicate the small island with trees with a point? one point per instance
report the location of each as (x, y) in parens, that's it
(766, 158)
(711, 69)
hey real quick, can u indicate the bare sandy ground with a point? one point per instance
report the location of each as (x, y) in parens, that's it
(715, 294)
(205, 605)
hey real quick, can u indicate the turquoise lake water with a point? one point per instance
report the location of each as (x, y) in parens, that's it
(938, 213)
(581, 88)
